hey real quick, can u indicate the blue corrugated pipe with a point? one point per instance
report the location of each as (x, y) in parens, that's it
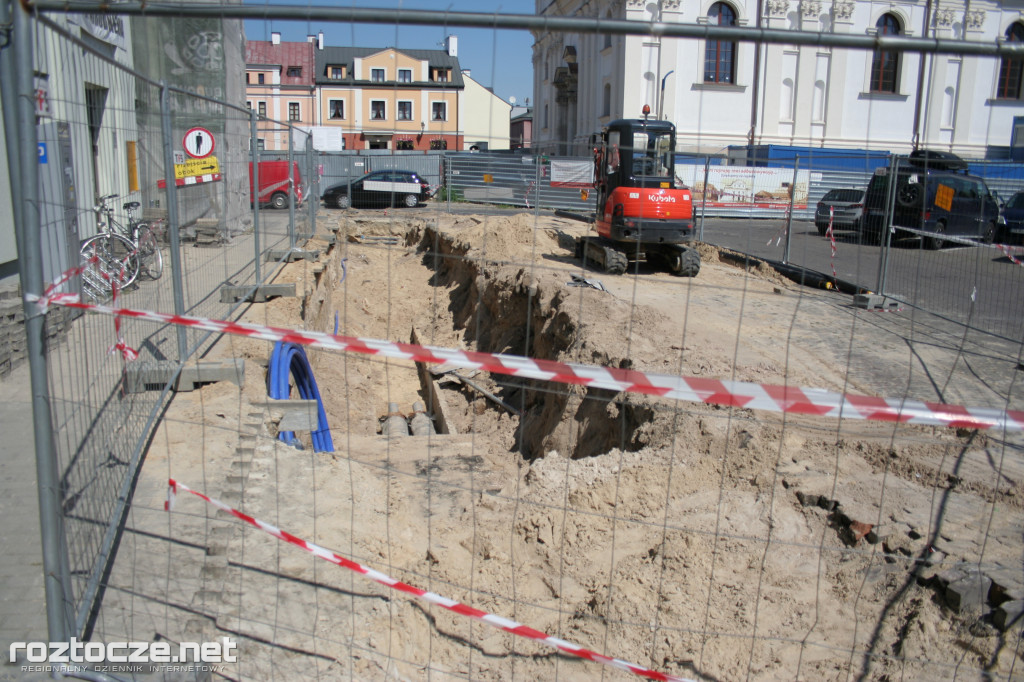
(289, 359)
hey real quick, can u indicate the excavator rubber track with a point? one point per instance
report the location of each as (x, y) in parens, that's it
(613, 257)
(603, 253)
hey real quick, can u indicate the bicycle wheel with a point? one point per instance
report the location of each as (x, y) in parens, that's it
(113, 259)
(151, 260)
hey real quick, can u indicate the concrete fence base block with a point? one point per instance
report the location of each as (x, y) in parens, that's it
(292, 415)
(292, 255)
(875, 302)
(259, 294)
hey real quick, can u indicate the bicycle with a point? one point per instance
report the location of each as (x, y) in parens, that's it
(118, 253)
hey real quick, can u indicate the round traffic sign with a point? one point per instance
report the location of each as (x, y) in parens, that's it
(198, 143)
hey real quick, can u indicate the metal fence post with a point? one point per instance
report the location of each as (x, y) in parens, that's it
(704, 198)
(312, 196)
(885, 238)
(172, 219)
(291, 191)
(254, 190)
(789, 213)
(56, 574)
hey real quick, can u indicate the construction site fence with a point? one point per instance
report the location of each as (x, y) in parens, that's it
(142, 137)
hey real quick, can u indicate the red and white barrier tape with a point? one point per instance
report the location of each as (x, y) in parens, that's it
(1011, 252)
(772, 398)
(499, 622)
(832, 238)
(529, 189)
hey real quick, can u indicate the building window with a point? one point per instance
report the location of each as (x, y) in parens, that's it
(247, 78)
(378, 110)
(405, 111)
(439, 144)
(337, 72)
(377, 75)
(442, 75)
(439, 111)
(720, 55)
(405, 75)
(260, 78)
(1008, 86)
(261, 144)
(404, 145)
(885, 64)
(545, 116)
(261, 109)
(606, 107)
(248, 105)
(293, 112)
(294, 72)
(336, 109)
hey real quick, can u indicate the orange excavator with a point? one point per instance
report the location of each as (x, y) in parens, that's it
(643, 214)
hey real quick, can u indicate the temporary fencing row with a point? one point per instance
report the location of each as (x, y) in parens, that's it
(128, 137)
(739, 394)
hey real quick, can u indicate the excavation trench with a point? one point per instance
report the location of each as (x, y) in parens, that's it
(497, 307)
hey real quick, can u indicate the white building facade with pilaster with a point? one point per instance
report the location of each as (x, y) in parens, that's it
(724, 93)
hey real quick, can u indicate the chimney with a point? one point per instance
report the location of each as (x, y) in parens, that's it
(320, 40)
(467, 72)
(275, 38)
(451, 44)
(310, 38)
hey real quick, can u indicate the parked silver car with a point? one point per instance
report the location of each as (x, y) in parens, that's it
(847, 206)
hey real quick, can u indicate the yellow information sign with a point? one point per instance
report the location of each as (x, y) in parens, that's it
(194, 167)
(944, 197)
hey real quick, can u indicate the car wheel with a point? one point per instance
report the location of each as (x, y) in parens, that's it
(279, 201)
(342, 201)
(909, 194)
(822, 229)
(989, 235)
(411, 200)
(935, 243)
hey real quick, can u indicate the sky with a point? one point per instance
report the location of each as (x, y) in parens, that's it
(499, 59)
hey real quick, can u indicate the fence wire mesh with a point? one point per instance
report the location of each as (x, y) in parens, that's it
(718, 536)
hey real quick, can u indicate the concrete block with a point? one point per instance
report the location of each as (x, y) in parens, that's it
(212, 371)
(969, 593)
(1009, 615)
(292, 415)
(875, 302)
(258, 294)
(292, 255)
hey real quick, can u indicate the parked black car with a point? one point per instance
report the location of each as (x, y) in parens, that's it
(380, 188)
(847, 209)
(1013, 215)
(934, 193)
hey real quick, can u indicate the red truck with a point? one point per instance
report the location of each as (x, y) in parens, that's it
(274, 182)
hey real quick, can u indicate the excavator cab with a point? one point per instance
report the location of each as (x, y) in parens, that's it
(636, 153)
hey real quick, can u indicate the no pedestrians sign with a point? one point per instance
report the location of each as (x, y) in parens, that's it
(198, 143)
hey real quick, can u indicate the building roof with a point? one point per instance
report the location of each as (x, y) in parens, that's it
(282, 56)
(346, 56)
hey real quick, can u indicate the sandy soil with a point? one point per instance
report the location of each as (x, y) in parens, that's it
(705, 542)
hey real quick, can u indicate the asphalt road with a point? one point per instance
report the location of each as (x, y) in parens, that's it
(975, 285)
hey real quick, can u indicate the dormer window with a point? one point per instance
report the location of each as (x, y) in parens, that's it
(294, 72)
(336, 72)
(442, 75)
(377, 75)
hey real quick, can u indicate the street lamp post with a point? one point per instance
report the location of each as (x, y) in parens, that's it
(661, 98)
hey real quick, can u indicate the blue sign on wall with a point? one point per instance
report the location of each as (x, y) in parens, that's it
(42, 152)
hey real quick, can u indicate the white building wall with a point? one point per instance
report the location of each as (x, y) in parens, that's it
(806, 95)
(484, 116)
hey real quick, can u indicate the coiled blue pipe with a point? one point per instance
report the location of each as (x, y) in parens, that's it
(289, 359)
